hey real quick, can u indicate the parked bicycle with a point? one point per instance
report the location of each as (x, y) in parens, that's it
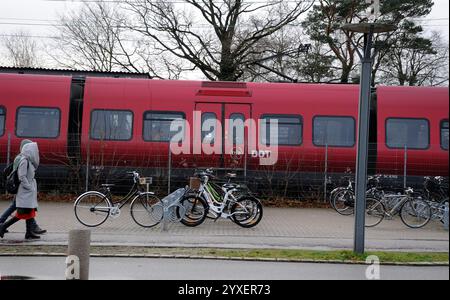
(435, 193)
(94, 207)
(230, 201)
(438, 210)
(413, 210)
(342, 198)
(435, 189)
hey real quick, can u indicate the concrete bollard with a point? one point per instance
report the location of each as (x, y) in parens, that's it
(77, 261)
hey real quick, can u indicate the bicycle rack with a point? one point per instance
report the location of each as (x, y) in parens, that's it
(171, 203)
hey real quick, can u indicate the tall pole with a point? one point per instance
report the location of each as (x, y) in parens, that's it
(405, 166)
(369, 29)
(363, 143)
(8, 151)
(169, 170)
(326, 174)
(88, 155)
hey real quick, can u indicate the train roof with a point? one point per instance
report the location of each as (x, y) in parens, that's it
(69, 72)
(123, 77)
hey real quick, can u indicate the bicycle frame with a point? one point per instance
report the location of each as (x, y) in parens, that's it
(134, 191)
(207, 192)
(116, 206)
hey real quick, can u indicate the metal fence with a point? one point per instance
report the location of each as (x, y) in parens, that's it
(303, 175)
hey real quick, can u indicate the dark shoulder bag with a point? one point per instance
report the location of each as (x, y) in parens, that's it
(13, 182)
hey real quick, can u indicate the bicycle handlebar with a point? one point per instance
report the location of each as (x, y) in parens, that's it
(207, 172)
(135, 174)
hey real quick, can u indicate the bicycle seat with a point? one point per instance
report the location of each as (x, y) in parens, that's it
(230, 186)
(204, 174)
(108, 185)
(231, 175)
(409, 191)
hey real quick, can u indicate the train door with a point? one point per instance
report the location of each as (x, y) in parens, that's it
(224, 136)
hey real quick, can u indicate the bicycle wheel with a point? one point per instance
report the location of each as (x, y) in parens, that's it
(333, 194)
(375, 212)
(147, 210)
(415, 213)
(195, 211)
(247, 212)
(92, 209)
(344, 202)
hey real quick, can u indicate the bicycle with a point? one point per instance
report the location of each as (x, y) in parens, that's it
(435, 188)
(233, 201)
(435, 193)
(343, 201)
(438, 209)
(94, 207)
(414, 211)
(342, 198)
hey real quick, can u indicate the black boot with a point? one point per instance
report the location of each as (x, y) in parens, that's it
(6, 225)
(30, 235)
(35, 227)
(39, 230)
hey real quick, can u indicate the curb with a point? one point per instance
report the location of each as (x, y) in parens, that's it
(209, 257)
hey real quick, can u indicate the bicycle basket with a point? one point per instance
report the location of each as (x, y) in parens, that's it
(145, 180)
(194, 183)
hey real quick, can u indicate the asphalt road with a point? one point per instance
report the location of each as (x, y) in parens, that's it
(182, 269)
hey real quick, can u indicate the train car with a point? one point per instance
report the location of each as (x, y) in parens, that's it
(413, 131)
(123, 123)
(128, 122)
(36, 108)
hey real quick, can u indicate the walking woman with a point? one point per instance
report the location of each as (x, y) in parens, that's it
(12, 208)
(26, 198)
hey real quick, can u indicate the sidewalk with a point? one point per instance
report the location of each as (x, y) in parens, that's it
(290, 228)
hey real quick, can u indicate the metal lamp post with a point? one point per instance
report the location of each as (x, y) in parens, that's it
(367, 58)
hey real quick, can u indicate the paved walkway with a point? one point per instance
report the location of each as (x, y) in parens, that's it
(289, 228)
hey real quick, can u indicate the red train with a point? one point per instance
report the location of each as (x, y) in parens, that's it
(126, 122)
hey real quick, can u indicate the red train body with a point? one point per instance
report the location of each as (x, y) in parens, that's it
(18, 93)
(317, 121)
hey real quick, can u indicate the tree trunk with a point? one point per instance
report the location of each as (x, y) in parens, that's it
(345, 75)
(228, 70)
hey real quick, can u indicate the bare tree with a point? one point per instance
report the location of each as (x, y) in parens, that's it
(305, 63)
(282, 50)
(93, 38)
(415, 60)
(21, 50)
(227, 38)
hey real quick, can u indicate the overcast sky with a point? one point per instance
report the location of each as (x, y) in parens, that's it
(39, 14)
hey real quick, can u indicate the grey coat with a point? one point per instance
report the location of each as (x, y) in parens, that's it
(27, 194)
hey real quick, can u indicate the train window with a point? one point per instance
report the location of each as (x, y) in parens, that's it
(37, 122)
(157, 126)
(444, 135)
(209, 127)
(111, 125)
(412, 133)
(290, 130)
(2, 121)
(334, 131)
(237, 128)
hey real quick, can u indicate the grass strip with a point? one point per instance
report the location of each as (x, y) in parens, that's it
(286, 254)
